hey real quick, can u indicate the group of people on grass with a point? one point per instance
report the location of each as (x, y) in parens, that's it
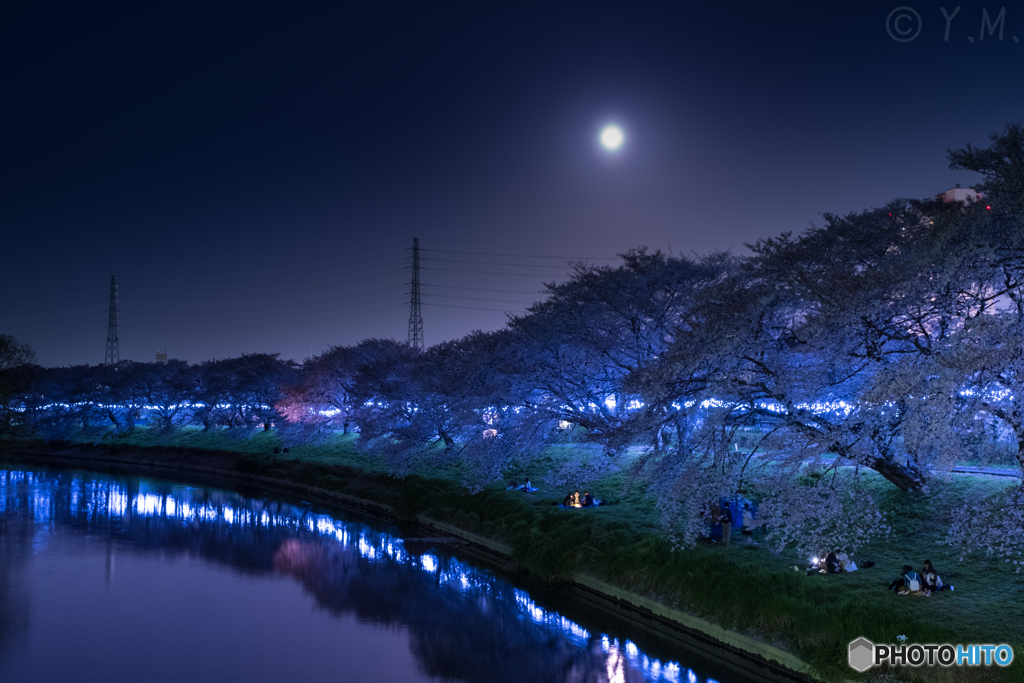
(722, 521)
(924, 583)
(574, 500)
(909, 583)
(834, 562)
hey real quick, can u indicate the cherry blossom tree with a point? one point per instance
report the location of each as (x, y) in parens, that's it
(383, 394)
(14, 354)
(165, 388)
(17, 362)
(321, 396)
(820, 511)
(992, 525)
(605, 325)
(240, 393)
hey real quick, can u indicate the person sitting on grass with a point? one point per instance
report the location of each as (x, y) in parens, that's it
(902, 581)
(911, 582)
(588, 500)
(572, 500)
(832, 564)
(932, 582)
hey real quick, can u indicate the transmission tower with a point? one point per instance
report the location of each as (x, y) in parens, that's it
(113, 355)
(415, 316)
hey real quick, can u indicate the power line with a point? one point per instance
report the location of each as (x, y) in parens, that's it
(620, 245)
(65, 300)
(358, 275)
(63, 318)
(263, 308)
(57, 310)
(56, 335)
(482, 289)
(480, 272)
(285, 314)
(483, 253)
(59, 329)
(493, 263)
(471, 308)
(275, 287)
(56, 326)
(362, 264)
(473, 298)
(273, 324)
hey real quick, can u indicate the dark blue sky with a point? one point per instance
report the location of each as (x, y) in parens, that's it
(252, 174)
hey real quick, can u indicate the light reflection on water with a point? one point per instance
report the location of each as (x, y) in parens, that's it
(325, 553)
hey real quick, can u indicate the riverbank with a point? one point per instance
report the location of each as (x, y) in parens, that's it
(743, 598)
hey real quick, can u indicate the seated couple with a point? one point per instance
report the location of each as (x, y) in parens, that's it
(836, 563)
(925, 583)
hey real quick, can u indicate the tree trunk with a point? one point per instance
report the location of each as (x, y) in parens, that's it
(1020, 451)
(904, 477)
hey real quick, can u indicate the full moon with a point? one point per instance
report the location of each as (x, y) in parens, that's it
(611, 137)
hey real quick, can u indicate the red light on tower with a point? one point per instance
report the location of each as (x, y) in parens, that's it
(988, 208)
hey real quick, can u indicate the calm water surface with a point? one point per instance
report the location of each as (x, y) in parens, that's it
(119, 578)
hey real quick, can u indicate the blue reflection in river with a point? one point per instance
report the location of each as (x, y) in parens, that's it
(464, 621)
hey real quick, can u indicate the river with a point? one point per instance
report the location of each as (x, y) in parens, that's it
(109, 577)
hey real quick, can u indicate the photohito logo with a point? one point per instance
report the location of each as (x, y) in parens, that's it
(864, 654)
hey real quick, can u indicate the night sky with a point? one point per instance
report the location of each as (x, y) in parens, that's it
(254, 175)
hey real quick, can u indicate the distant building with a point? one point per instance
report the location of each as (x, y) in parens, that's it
(959, 194)
(161, 356)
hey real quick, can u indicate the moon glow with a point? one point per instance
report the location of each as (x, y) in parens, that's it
(611, 138)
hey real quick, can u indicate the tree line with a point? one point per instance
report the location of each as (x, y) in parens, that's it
(889, 341)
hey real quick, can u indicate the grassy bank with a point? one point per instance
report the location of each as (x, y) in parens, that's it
(745, 588)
